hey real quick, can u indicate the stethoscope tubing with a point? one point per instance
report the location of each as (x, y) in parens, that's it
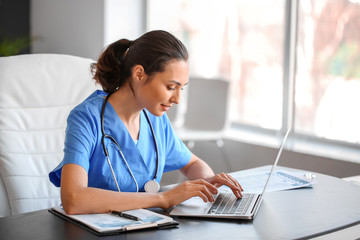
(121, 153)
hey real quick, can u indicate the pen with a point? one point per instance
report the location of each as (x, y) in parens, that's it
(126, 215)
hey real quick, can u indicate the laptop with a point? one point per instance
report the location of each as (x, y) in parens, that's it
(226, 205)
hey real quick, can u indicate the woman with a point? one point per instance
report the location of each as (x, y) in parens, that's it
(119, 141)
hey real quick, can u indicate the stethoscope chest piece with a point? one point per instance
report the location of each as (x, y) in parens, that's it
(152, 186)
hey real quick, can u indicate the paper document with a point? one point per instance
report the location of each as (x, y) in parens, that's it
(280, 180)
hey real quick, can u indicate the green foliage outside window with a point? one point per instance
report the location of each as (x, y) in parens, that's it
(346, 61)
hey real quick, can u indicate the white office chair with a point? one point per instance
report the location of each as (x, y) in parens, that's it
(37, 92)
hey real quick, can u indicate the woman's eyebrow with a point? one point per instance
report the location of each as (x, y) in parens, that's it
(178, 83)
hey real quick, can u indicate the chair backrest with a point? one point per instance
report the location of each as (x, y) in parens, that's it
(207, 104)
(37, 92)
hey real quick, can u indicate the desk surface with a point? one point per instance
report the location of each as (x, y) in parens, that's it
(332, 204)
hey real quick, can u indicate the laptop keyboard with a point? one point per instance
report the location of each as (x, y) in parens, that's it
(227, 203)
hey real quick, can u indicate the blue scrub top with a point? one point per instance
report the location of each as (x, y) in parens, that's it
(83, 147)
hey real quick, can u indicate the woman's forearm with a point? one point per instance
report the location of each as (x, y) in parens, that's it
(196, 169)
(96, 200)
(78, 198)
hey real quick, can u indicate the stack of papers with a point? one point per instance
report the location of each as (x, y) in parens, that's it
(280, 180)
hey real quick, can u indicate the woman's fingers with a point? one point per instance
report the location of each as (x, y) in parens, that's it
(205, 196)
(236, 182)
(205, 183)
(228, 180)
(233, 181)
(203, 189)
(196, 188)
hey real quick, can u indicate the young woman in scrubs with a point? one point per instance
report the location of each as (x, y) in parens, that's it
(141, 80)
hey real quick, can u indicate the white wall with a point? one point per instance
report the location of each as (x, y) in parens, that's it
(123, 19)
(83, 27)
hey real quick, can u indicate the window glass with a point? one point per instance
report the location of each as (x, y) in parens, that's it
(238, 40)
(327, 89)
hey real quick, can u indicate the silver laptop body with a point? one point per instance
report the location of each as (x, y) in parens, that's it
(226, 205)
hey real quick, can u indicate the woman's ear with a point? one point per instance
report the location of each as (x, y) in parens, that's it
(139, 75)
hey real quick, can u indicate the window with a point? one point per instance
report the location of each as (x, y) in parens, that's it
(238, 40)
(328, 70)
(304, 74)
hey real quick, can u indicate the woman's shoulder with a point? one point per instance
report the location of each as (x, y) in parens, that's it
(91, 105)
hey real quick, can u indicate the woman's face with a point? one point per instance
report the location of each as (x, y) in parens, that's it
(160, 91)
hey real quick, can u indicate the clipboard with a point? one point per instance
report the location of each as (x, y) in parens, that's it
(86, 221)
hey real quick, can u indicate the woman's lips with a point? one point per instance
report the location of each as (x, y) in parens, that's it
(165, 107)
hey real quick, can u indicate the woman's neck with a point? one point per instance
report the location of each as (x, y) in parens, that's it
(123, 101)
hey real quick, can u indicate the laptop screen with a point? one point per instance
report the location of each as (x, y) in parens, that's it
(277, 159)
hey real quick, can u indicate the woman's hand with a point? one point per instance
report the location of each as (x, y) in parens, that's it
(204, 189)
(207, 182)
(226, 179)
(188, 189)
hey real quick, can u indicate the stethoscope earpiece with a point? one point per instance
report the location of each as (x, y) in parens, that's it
(151, 186)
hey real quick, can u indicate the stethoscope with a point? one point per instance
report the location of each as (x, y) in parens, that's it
(151, 186)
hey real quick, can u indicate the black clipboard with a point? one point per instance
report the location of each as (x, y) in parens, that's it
(80, 224)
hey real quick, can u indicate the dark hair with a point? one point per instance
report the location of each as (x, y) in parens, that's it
(152, 51)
